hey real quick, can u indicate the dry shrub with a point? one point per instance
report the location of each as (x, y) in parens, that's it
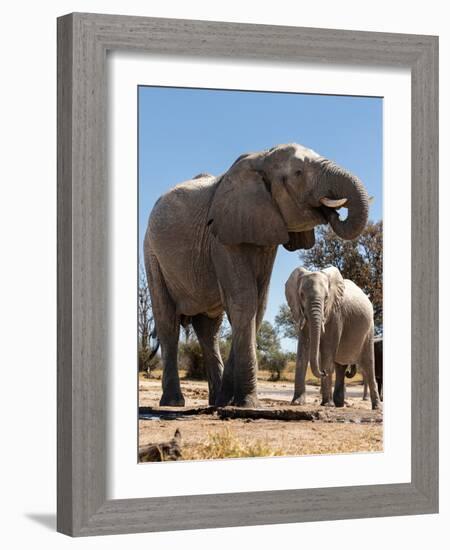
(191, 360)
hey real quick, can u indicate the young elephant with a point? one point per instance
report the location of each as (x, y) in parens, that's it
(335, 325)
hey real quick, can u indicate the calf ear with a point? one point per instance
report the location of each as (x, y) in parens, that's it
(301, 239)
(292, 293)
(336, 289)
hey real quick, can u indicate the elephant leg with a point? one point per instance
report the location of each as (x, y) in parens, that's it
(243, 362)
(380, 387)
(300, 371)
(172, 395)
(326, 382)
(240, 291)
(226, 391)
(366, 389)
(245, 367)
(367, 365)
(207, 331)
(339, 385)
(326, 390)
(168, 329)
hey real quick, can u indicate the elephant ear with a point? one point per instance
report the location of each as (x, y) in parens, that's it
(336, 289)
(243, 211)
(292, 292)
(300, 239)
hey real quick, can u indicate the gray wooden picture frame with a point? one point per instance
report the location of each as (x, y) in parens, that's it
(83, 41)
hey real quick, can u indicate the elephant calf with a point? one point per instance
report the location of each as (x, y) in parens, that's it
(335, 326)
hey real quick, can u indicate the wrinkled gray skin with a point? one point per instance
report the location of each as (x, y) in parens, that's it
(210, 247)
(335, 322)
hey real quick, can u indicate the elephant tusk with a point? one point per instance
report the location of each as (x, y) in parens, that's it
(333, 203)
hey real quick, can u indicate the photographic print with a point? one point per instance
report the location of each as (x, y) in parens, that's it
(260, 287)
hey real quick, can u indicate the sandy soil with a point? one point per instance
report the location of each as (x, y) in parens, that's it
(354, 428)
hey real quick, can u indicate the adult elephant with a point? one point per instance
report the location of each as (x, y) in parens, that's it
(378, 352)
(335, 323)
(210, 247)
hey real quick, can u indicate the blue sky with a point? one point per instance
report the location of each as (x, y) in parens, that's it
(183, 132)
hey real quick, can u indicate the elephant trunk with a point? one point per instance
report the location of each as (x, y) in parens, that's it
(315, 327)
(336, 183)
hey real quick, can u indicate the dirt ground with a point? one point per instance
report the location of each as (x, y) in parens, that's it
(354, 428)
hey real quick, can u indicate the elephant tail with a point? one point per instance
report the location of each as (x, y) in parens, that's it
(350, 372)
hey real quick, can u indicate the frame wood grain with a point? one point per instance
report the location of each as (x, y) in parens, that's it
(83, 41)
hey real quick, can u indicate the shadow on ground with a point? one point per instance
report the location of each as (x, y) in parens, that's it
(46, 520)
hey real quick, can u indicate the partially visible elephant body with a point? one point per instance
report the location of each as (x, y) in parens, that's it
(335, 321)
(210, 247)
(378, 350)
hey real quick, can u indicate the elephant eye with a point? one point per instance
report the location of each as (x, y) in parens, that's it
(299, 172)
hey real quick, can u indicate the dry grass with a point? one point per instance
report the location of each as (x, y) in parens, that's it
(264, 438)
(208, 437)
(288, 375)
(225, 444)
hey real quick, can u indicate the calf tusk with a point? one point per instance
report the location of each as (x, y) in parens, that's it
(333, 203)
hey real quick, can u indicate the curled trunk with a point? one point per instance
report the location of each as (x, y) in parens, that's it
(336, 183)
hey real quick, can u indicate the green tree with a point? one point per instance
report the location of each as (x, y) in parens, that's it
(268, 348)
(284, 322)
(267, 339)
(360, 260)
(275, 362)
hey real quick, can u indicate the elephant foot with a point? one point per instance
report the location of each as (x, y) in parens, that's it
(300, 400)
(214, 394)
(168, 400)
(338, 400)
(376, 406)
(327, 404)
(365, 398)
(249, 401)
(212, 400)
(212, 397)
(222, 400)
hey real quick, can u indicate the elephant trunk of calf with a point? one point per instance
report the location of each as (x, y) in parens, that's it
(315, 328)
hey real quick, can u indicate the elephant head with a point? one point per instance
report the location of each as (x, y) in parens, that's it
(312, 296)
(278, 197)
